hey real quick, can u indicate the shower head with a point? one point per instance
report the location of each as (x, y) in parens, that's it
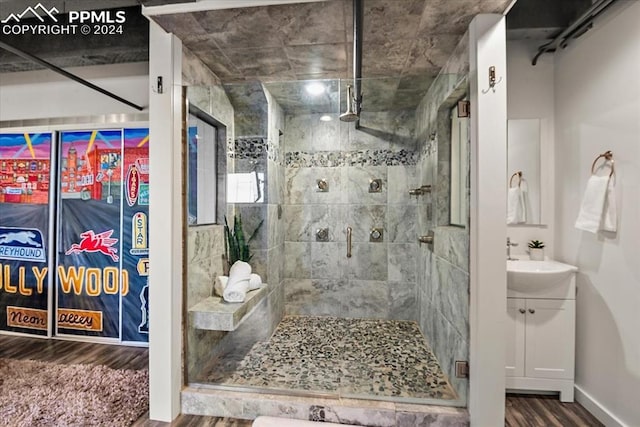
(349, 115)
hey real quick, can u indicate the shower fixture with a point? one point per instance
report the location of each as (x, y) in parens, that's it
(376, 235)
(350, 115)
(375, 186)
(322, 186)
(322, 235)
(354, 101)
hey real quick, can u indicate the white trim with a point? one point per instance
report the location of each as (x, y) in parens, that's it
(165, 251)
(24, 335)
(204, 5)
(564, 387)
(86, 338)
(80, 127)
(488, 276)
(598, 410)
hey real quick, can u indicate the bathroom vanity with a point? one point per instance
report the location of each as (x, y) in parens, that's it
(540, 333)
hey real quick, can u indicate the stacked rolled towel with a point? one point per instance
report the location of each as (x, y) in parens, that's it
(255, 282)
(238, 283)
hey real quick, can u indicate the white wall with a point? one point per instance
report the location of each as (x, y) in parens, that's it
(530, 95)
(45, 94)
(598, 109)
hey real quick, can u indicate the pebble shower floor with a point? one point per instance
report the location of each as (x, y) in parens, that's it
(358, 357)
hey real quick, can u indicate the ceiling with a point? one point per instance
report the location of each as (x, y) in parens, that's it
(405, 43)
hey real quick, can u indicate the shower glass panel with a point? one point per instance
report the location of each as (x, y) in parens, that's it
(372, 325)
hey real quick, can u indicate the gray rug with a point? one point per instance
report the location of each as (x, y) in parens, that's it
(46, 394)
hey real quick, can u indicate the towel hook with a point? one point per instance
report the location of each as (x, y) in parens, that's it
(608, 156)
(492, 80)
(519, 175)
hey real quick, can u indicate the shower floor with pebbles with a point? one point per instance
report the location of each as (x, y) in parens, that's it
(357, 357)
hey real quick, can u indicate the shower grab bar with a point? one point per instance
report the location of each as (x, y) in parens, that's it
(349, 230)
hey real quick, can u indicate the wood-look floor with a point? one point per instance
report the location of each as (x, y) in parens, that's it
(521, 410)
(194, 421)
(546, 411)
(73, 352)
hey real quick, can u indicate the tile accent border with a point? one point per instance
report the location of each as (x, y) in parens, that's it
(253, 148)
(305, 159)
(248, 147)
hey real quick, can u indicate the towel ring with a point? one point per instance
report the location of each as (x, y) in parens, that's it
(519, 175)
(608, 156)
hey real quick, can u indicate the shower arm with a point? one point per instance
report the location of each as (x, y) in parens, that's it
(358, 12)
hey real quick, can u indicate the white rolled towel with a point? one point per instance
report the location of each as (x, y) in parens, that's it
(241, 270)
(236, 291)
(255, 282)
(220, 284)
(238, 283)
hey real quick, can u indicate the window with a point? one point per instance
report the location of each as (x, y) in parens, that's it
(202, 186)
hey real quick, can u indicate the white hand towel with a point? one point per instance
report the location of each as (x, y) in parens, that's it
(515, 206)
(220, 284)
(238, 283)
(610, 222)
(255, 282)
(236, 291)
(593, 202)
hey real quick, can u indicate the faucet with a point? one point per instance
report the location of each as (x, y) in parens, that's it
(509, 244)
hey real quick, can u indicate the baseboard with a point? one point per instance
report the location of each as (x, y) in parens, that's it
(597, 409)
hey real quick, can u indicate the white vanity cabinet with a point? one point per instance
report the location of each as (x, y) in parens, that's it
(541, 340)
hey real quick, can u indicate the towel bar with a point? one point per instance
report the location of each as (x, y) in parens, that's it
(519, 175)
(608, 155)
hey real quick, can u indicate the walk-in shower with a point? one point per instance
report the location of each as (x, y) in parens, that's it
(355, 306)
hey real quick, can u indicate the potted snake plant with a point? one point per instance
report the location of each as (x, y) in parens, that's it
(236, 245)
(536, 250)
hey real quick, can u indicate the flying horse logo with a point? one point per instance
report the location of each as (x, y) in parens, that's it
(92, 242)
(24, 237)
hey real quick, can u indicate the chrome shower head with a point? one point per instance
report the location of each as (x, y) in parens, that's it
(349, 115)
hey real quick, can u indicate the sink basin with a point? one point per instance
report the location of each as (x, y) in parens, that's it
(532, 276)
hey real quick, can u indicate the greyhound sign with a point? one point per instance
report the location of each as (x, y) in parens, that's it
(22, 244)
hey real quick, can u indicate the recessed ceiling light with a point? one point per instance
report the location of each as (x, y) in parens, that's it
(325, 118)
(315, 88)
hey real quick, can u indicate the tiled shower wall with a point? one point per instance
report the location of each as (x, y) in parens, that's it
(380, 279)
(259, 117)
(443, 284)
(205, 244)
